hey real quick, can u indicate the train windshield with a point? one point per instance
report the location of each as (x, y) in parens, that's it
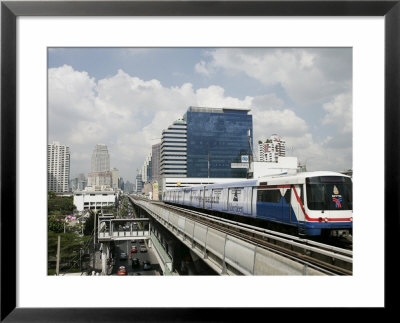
(329, 193)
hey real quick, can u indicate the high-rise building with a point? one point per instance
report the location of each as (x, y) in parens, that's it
(58, 167)
(128, 187)
(100, 179)
(155, 162)
(270, 149)
(121, 183)
(78, 183)
(216, 138)
(139, 183)
(100, 174)
(115, 177)
(173, 150)
(100, 159)
(146, 169)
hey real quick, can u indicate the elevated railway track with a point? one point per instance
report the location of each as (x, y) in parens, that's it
(236, 248)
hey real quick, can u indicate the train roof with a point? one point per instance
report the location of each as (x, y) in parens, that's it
(296, 178)
(279, 179)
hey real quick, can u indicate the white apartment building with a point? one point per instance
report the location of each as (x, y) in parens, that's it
(58, 167)
(174, 150)
(270, 149)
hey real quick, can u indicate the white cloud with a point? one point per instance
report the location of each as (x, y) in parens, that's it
(214, 96)
(128, 114)
(306, 74)
(340, 112)
(124, 112)
(201, 68)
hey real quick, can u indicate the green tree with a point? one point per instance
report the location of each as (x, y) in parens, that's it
(89, 224)
(70, 251)
(57, 205)
(55, 225)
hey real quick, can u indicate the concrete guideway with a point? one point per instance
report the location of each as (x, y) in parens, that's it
(225, 253)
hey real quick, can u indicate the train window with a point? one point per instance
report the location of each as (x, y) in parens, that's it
(272, 196)
(329, 195)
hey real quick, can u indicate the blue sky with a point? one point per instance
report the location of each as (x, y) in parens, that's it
(125, 97)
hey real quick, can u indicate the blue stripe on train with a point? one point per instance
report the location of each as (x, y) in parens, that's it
(314, 228)
(283, 213)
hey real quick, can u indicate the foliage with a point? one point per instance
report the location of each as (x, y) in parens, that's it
(70, 250)
(57, 205)
(124, 212)
(55, 225)
(89, 225)
(107, 209)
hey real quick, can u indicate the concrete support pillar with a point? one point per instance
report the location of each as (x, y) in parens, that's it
(104, 253)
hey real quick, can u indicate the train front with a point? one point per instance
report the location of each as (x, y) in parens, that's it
(328, 205)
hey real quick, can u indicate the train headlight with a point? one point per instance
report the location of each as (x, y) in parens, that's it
(326, 220)
(351, 219)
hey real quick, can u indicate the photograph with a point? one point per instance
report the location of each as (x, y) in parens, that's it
(204, 150)
(200, 161)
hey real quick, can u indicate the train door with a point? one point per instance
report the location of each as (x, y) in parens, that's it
(207, 202)
(180, 197)
(196, 198)
(269, 204)
(247, 200)
(224, 199)
(186, 197)
(254, 202)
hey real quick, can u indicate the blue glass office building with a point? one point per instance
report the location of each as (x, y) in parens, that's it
(215, 139)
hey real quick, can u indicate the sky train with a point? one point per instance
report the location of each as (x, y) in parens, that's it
(312, 203)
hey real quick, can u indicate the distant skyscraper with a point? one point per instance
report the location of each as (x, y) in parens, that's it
(155, 162)
(115, 177)
(100, 174)
(58, 167)
(78, 183)
(139, 183)
(100, 159)
(146, 169)
(128, 187)
(121, 183)
(270, 149)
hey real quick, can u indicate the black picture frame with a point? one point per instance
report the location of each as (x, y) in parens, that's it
(10, 10)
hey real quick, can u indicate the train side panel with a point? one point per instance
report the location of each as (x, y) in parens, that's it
(208, 198)
(239, 200)
(218, 199)
(186, 196)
